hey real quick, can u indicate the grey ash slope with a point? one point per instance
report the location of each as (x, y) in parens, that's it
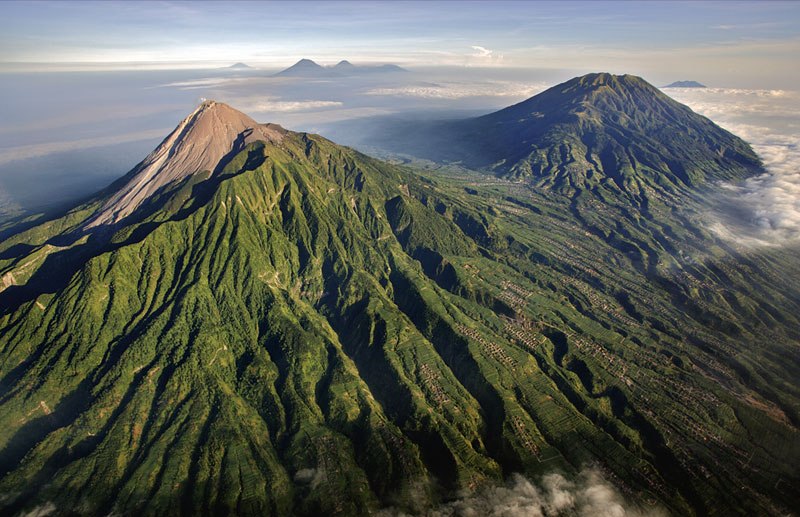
(199, 143)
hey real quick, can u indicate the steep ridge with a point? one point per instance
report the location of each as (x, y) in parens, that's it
(311, 331)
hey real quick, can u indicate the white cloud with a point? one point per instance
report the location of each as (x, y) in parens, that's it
(266, 104)
(770, 202)
(483, 56)
(730, 105)
(205, 83)
(310, 120)
(481, 51)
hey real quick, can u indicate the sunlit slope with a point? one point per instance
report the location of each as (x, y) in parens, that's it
(307, 330)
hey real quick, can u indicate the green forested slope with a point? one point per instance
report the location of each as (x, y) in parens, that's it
(312, 331)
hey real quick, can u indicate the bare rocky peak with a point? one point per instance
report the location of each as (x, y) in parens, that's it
(198, 144)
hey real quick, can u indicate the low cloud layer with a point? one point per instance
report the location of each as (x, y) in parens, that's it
(35, 150)
(207, 82)
(267, 104)
(459, 90)
(589, 495)
(763, 210)
(772, 200)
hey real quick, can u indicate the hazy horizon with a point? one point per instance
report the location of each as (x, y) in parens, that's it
(718, 42)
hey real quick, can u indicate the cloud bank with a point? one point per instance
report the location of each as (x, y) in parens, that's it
(255, 105)
(589, 495)
(460, 90)
(763, 210)
(24, 152)
(208, 82)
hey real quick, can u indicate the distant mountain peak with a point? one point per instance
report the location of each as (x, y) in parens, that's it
(308, 68)
(303, 67)
(306, 63)
(197, 144)
(685, 84)
(239, 66)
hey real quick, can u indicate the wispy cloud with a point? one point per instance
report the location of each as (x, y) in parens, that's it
(459, 90)
(484, 57)
(208, 82)
(748, 26)
(266, 104)
(481, 51)
(589, 495)
(40, 511)
(23, 152)
(7, 207)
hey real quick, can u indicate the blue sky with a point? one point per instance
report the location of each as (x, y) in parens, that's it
(681, 38)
